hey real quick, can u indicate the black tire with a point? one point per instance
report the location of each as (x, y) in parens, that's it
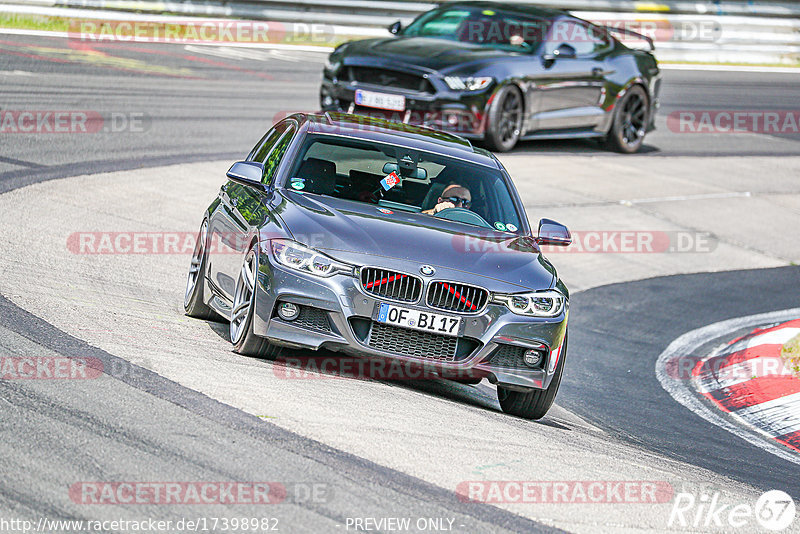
(504, 123)
(193, 300)
(629, 125)
(241, 330)
(533, 404)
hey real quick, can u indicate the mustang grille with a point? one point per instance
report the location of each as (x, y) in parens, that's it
(391, 285)
(456, 297)
(417, 344)
(389, 78)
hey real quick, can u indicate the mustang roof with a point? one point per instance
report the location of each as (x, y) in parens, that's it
(417, 137)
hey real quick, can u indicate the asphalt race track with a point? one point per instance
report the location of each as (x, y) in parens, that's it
(175, 404)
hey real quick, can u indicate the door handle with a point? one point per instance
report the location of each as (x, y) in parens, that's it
(597, 72)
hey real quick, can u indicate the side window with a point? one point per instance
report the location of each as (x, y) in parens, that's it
(275, 156)
(582, 38)
(264, 146)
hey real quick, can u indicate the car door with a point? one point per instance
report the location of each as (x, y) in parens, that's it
(570, 87)
(241, 208)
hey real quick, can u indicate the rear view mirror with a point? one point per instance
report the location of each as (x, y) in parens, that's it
(247, 173)
(395, 27)
(417, 174)
(553, 233)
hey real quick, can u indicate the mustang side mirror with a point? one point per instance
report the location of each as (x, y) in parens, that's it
(553, 233)
(564, 51)
(247, 173)
(395, 27)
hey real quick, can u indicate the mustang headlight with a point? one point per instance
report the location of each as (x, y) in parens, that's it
(536, 304)
(468, 84)
(332, 66)
(295, 256)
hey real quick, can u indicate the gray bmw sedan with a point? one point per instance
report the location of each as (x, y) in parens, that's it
(385, 241)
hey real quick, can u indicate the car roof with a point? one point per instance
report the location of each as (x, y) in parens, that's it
(382, 130)
(525, 9)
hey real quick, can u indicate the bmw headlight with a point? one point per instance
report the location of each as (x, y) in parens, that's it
(468, 84)
(548, 303)
(300, 258)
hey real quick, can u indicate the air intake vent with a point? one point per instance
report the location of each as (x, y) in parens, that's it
(391, 285)
(456, 297)
(421, 345)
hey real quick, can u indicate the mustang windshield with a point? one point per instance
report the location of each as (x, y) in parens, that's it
(402, 179)
(481, 26)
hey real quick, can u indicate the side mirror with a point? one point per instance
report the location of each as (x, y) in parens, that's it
(247, 173)
(564, 51)
(553, 233)
(395, 27)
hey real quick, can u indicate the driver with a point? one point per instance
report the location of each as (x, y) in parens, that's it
(453, 196)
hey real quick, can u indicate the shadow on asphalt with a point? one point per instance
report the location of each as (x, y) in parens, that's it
(580, 147)
(337, 365)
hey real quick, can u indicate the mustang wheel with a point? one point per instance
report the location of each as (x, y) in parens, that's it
(533, 404)
(505, 119)
(193, 301)
(630, 122)
(241, 328)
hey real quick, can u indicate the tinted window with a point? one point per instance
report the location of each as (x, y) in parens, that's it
(263, 147)
(276, 154)
(582, 38)
(354, 169)
(481, 26)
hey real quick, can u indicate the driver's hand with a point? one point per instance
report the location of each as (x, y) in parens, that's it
(443, 206)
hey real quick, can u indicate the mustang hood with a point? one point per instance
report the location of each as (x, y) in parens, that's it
(350, 230)
(433, 54)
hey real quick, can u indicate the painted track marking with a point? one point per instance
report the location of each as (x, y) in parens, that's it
(678, 390)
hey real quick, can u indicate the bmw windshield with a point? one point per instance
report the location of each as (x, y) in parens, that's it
(396, 178)
(481, 26)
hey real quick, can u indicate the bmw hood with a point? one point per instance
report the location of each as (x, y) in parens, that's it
(361, 233)
(425, 52)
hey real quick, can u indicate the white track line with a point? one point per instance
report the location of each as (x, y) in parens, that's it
(739, 373)
(730, 68)
(686, 344)
(777, 417)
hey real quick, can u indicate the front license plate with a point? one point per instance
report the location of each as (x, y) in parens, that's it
(380, 100)
(435, 323)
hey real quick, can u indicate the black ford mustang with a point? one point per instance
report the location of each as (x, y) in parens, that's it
(500, 73)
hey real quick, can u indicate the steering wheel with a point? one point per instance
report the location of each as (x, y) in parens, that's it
(462, 215)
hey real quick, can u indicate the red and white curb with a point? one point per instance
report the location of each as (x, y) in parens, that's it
(748, 379)
(745, 378)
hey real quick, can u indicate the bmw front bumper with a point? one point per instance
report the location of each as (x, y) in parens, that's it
(336, 314)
